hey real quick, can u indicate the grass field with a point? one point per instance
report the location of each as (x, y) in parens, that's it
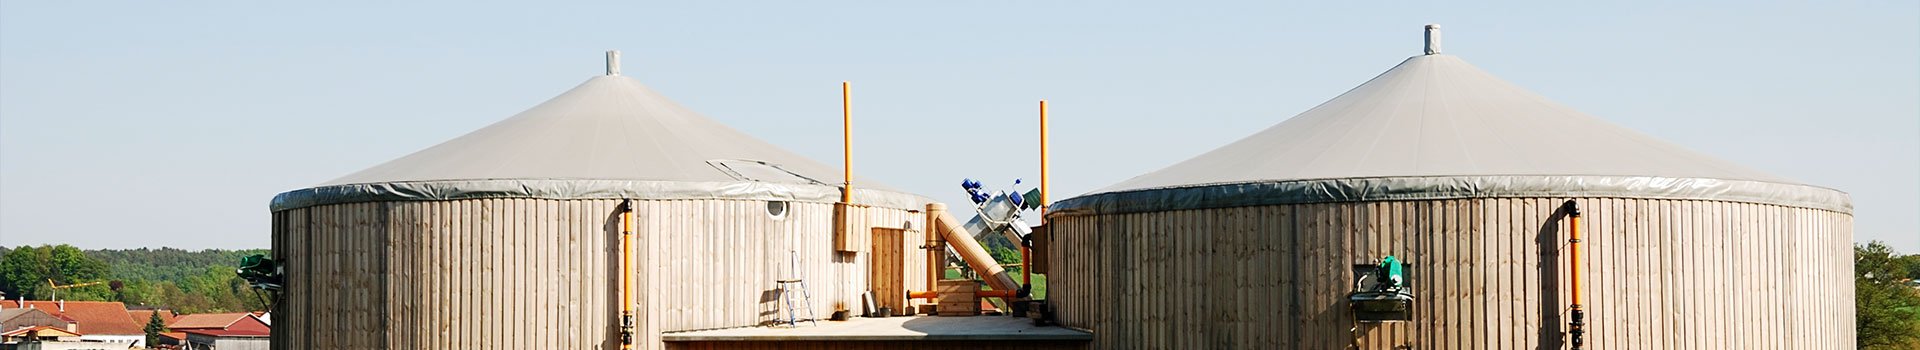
(1039, 281)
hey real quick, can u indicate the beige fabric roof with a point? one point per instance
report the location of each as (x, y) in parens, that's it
(1437, 115)
(1435, 127)
(610, 127)
(610, 137)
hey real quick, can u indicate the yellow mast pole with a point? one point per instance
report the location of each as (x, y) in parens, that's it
(1576, 261)
(1043, 161)
(626, 274)
(846, 138)
(1026, 253)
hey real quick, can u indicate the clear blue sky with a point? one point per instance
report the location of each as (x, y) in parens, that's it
(143, 123)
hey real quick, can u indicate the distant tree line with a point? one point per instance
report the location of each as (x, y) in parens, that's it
(185, 281)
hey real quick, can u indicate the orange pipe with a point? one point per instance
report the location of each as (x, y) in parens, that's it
(1575, 261)
(626, 273)
(1578, 323)
(846, 138)
(1026, 270)
(928, 294)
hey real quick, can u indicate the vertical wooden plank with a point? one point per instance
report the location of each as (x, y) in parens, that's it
(1532, 291)
(399, 277)
(341, 265)
(1780, 284)
(452, 327)
(322, 268)
(1459, 245)
(1693, 223)
(1479, 265)
(325, 309)
(1608, 245)
(418, 286)
(1312, 270)
(552, 247)
(1738, 289)
(1648, 254)
(1686, 277)
(506, 306)
(464, 220)
(1494, 212)
(1273, 231)
(302, 273)
(1444, 291)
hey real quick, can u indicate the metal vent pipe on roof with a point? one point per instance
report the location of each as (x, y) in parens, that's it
(613, 62)
(1433, 39)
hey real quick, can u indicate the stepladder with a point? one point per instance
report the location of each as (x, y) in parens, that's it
(805, 304)
(787, 287)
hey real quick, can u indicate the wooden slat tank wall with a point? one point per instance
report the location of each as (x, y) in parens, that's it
(882, 345)
(533, 273)
(1486, 274)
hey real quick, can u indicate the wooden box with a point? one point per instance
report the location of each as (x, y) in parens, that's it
(957, 298)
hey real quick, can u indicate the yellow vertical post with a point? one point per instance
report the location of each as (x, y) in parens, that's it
(1577, 328)
(936, 246)
(1574, 261)
(1026, 253)
(1043, 161)
(846, 138)
(626, 274)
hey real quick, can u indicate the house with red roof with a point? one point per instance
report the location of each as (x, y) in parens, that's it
(39, 333)
(219, 339)
(95, 321)
(236, 321)
(11, 319)
(223, 331)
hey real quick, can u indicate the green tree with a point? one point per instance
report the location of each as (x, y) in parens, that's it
(26, 271)
(1887, 310)
(154, 327)
(1912, 263)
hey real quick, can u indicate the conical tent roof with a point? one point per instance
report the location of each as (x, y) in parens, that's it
(1437, 127)
(610, 137)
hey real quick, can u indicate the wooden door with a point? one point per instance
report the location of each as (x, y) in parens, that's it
(887, 269)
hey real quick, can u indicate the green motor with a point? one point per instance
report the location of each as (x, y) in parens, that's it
(1390, 274)
(1380, 292)
(261, 272)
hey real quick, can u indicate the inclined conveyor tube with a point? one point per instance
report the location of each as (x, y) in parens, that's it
(976, 257)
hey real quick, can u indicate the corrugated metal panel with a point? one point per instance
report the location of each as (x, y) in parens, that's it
(509, 273)
(1487, 273)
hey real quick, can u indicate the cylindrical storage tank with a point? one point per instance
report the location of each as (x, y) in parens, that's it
(510, 236)
(1259, 244)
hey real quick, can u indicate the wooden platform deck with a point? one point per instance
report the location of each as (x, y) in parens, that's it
(922, 328)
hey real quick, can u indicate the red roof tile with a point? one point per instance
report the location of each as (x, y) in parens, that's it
(227, 333)
(141, 316)
(93, 317)
(203, 321)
